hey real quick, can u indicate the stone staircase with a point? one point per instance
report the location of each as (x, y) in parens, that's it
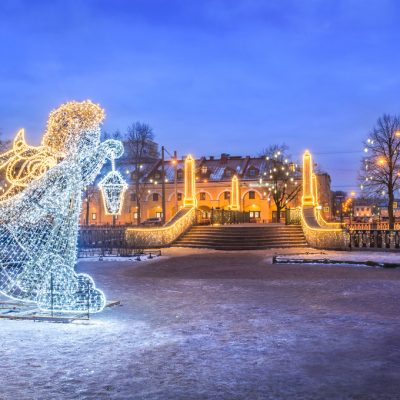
(243, 237)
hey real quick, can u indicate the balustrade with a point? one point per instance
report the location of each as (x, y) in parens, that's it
(374, 238)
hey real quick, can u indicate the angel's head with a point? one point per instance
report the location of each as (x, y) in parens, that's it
(72, 126)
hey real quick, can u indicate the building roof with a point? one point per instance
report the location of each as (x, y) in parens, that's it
(209, 169)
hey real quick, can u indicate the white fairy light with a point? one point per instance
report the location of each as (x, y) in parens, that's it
(39, 224)
(113, 188)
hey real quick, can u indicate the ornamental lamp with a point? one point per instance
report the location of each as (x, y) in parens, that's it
(113, 187)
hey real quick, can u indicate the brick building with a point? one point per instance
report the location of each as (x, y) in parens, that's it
(213, 189)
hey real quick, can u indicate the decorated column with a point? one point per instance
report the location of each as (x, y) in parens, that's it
(308, 192)
(235, 203)
(190, 183)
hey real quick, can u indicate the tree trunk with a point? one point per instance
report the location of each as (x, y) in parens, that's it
(138, 220)
(137, 187)
(278, 214)
(87, 210)
(390, 208)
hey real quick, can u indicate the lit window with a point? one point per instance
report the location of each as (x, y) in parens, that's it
(204, 169)
(94, 216)
(255, 214)
(159, 214)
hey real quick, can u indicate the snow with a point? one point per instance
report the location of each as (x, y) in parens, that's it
(117, 259)
(201, 324)
(353, 256)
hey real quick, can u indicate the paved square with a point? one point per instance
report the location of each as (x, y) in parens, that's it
(216, 325)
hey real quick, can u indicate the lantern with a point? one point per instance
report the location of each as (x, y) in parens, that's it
(113, 188)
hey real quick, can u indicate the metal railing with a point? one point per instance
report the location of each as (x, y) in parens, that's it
(222, 217)
(374, 239)
(293, 216)
(109, 241)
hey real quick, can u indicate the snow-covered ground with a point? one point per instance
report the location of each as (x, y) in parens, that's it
(118, 259)
(353, 256)
(203, 324)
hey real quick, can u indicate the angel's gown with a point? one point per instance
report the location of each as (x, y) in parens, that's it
(39, 230)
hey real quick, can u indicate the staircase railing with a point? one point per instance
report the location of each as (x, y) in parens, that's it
(165, 235)
(221, 217)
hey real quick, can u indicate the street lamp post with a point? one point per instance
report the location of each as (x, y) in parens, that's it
(163, 179)
(176, 179)
(162, 185)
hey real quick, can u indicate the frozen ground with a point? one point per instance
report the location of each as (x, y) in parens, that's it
(216, 325)
(358, 256)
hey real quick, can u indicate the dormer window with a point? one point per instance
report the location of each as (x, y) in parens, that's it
(179, 174)
(253, 172)
(228, 173)
(157, 175)
(204, 169)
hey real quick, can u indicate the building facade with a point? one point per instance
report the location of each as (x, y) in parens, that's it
(213, 189)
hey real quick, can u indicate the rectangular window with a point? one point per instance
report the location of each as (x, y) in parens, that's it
(133, 196)
(227, 195)
(252, 172)
(255, 214)
(179, 196)
(94, 216)
(202, 196)
(159, 214)
(252, 195)
(155, 196)
(135, 215)
(179, 174)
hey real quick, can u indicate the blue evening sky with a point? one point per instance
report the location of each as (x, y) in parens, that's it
(209, 76)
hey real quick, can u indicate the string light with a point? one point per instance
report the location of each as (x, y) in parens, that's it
(24, 163)
(39, 225)
(113, 187)
(235, 203)
(190, 183)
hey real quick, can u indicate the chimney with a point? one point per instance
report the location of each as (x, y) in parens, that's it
(224, 157)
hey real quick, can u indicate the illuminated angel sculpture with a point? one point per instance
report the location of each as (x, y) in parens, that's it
(39, 216)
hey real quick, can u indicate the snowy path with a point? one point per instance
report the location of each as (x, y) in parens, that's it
(214, 325)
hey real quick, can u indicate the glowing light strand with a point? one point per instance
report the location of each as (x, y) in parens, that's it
(113, 187)
(39, 225)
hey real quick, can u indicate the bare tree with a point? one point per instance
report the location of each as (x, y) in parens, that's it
(141, 148)
(283, 187)
(114, 135)
(90, 193)
(380, 171)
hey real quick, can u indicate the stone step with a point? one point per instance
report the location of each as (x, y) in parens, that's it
(277, 246)
(244, 234)
(259, 244)
(243, 237)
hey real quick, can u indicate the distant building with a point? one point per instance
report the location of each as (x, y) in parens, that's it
(363, 211)
(213, 186)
